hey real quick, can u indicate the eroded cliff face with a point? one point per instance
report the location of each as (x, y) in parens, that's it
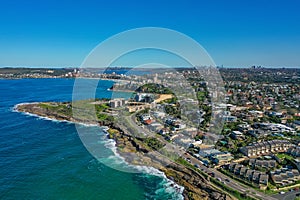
(196, 186)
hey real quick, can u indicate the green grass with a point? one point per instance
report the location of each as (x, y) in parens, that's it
(60, 108)
(201, 96)
(154, 88)
(83, 110)
(153, 143)
(284, 156)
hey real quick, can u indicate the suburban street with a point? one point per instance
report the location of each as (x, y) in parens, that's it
(131, 119)
(231, 183)
(291, 195)
(218, 175)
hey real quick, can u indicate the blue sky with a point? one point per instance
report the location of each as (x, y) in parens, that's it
(235, 33)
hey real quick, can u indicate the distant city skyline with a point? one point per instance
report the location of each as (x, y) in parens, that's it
(234, 33)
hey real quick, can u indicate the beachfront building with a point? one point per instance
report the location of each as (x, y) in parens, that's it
(115, 103)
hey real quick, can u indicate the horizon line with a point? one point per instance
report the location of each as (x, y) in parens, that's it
(73, 67)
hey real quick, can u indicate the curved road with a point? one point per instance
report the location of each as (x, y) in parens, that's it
(218, 175)
(231, 183)
(287, 196)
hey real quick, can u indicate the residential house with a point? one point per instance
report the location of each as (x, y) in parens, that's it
(294, 151)
(243, 171)
(263, 179)
(264, 148)
(237, 135)
(255, 176)
(249, 174)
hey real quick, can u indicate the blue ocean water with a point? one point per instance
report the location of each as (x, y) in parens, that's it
(43, 159)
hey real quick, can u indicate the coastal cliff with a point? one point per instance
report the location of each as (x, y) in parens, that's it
(195, 185)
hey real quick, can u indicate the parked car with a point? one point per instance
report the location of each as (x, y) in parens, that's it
(282, 192)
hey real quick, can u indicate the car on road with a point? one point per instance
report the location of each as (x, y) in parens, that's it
(282, 192)
(227, 180)
(211, 174)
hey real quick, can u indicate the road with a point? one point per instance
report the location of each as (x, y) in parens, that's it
(231, 183)
(287, 196)
(218, 175)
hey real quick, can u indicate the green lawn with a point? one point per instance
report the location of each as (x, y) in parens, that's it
(283, 156)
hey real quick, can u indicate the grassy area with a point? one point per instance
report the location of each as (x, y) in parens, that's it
(102, 107)
(153, 143)
(284, 156)
(154, 88)
(60, 108)
(201, 96)
(83, 110)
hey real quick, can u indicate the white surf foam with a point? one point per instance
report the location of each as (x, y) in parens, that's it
(14, 109)
(168, 185)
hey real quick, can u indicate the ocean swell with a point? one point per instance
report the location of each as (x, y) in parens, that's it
(168, 185)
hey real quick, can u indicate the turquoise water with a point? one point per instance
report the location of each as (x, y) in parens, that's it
(43, 159)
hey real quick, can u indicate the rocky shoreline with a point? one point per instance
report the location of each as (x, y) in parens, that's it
(195, 185)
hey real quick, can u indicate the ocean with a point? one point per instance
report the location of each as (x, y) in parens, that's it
(45, 159)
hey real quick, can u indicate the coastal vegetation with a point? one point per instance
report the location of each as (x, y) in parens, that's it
(195, 185)
(154, 88)
(84, 111)
(153, 143)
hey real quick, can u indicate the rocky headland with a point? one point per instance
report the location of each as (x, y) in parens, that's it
(196, 186)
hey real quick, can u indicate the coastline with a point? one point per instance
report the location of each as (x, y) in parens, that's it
(195, 186)
(143, 169)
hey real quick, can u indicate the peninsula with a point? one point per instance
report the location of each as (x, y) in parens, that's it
(256, 154)
(180, 171)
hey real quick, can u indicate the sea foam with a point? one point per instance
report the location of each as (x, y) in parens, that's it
(169, 186)
(14, 109)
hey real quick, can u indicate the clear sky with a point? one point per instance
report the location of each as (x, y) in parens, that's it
(235, 33)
